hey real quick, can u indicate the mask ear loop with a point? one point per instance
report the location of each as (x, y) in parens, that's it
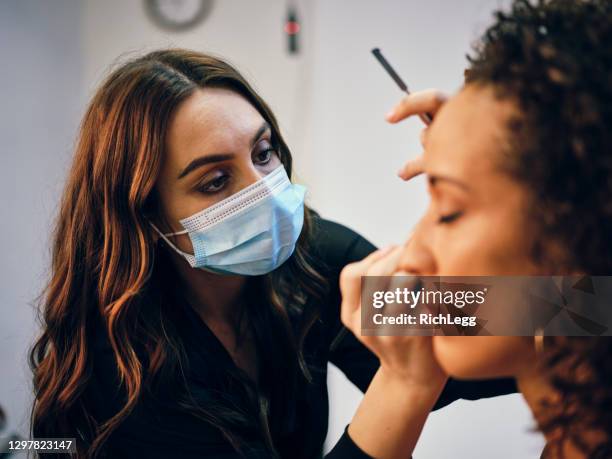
(186, 255)
(190, 258)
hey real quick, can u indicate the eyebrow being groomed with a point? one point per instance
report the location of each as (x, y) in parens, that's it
(434, 179)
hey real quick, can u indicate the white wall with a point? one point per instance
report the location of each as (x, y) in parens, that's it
(39, 111)
(246, 33)
(330, 101)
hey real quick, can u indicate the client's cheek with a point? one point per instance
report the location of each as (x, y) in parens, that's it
(461, 260)
(453, 355)
(479, 255)
(480, 356)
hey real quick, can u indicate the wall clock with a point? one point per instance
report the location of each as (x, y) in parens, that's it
(178, 15)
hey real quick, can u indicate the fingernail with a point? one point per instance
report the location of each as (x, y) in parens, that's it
(390, 116)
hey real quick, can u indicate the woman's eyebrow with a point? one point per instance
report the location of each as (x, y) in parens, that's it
(203, 160)
(434, 179)
(218, 157)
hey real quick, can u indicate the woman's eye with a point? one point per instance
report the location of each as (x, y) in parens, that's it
(214, 185)
(449, 218)
(264, 156)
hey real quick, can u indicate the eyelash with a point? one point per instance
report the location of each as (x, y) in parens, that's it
(446, 219)
(205, 188)
(269, 151)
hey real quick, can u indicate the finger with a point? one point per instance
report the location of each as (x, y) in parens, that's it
(350, 282)
(350, 288)
(374, 257)
(412, 168)
(387, 265)
(350, 276)
(423, 136)
(428, 101)
(382, 271)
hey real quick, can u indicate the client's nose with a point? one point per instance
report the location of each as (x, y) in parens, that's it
(417, 257)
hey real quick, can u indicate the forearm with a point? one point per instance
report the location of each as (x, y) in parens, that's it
(390, 418)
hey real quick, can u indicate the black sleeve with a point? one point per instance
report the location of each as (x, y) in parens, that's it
(338, 246)
(346, 449)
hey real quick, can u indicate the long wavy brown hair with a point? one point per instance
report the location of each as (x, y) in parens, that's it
(105, 265)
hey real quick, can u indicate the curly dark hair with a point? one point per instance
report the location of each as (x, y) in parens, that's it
(553, 59)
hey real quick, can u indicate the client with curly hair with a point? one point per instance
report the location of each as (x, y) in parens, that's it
(519, 168)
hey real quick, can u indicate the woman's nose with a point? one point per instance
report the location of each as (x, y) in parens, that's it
(250, 174)
(417, 257)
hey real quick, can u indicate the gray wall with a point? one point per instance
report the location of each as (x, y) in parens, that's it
(330, 101)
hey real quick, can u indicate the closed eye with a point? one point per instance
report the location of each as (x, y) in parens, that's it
(449, 218)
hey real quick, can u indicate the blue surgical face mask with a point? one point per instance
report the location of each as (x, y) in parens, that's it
(251, 233)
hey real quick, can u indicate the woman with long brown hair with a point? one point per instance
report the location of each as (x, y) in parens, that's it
(193, 304)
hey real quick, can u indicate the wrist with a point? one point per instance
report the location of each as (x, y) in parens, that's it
(424, 387)
(390, 418)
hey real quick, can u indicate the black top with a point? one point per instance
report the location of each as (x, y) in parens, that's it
(157, 428)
